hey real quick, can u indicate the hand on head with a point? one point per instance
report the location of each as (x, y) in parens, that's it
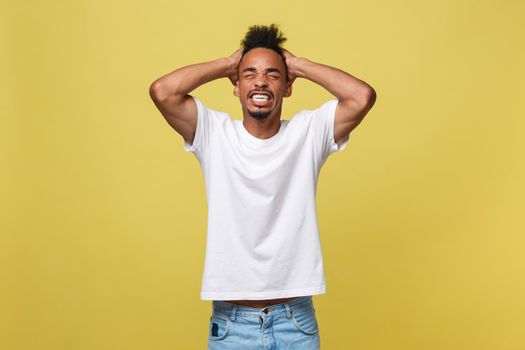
(290, 61)
(235, 58)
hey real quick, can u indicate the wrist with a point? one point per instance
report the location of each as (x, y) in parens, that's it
(228, 66)
(297, 66)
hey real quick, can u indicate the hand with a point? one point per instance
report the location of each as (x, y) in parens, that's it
(234, 59)
(290, 64)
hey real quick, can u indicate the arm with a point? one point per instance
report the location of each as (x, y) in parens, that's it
(170, 92)
(355, 96)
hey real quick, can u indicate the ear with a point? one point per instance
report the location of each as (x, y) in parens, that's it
(288, 90)
(236, 89)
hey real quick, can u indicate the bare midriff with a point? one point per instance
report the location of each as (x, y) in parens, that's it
(259, 303)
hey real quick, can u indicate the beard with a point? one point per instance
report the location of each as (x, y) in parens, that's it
(259, 115)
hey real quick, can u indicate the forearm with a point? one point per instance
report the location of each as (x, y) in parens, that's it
(342, 85)
(186, 79)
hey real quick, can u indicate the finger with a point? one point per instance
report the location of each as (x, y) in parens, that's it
(287, 53)
(233, 79)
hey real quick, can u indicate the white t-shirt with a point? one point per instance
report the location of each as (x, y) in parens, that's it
(263, 239)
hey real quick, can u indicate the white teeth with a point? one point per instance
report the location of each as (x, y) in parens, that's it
(260, 98)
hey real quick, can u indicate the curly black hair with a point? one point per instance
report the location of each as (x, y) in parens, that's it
(269, 37)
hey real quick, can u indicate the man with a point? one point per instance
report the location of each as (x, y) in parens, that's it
(263, 255)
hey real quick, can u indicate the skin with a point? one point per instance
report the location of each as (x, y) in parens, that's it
(257, 71)
(262, 70)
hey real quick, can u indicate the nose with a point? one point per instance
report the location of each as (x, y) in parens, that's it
(260, 80)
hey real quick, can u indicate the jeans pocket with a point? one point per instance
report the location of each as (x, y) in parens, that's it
(305, 321)
(219, 326)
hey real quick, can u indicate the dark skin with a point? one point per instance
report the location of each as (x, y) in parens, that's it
(259, 303)
(260, 70)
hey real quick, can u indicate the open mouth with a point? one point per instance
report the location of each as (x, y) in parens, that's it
(261, 98)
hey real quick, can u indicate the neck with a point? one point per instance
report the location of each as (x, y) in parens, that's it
(262, 129)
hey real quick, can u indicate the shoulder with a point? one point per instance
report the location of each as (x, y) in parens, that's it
(327, 109)
(206, 112)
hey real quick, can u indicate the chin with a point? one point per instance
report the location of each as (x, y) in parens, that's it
(259, 115)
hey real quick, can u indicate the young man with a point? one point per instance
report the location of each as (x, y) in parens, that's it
(263, 255)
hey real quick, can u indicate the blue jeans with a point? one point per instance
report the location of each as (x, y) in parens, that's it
(286, 326)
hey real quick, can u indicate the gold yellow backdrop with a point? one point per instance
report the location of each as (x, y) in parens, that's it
(103, 214)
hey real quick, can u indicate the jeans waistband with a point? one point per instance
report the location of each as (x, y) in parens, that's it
(286, 308)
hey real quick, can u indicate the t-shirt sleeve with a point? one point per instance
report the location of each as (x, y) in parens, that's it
(202, 132)
(323, 122)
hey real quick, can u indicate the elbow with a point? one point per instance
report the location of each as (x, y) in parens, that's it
(371, 97)
(156, 91)
(160, 91)
(367, 98)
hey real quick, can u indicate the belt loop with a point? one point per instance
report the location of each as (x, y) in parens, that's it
(234, 313)
(288, 311)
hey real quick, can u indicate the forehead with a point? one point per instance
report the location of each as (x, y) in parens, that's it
(262, 58)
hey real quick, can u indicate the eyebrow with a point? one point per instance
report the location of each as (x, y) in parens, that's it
(267, 70)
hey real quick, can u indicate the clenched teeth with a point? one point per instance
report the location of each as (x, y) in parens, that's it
(260, 98)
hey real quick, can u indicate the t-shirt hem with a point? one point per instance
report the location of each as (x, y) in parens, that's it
(288, 293)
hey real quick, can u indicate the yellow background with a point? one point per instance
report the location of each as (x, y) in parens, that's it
(103, 214)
